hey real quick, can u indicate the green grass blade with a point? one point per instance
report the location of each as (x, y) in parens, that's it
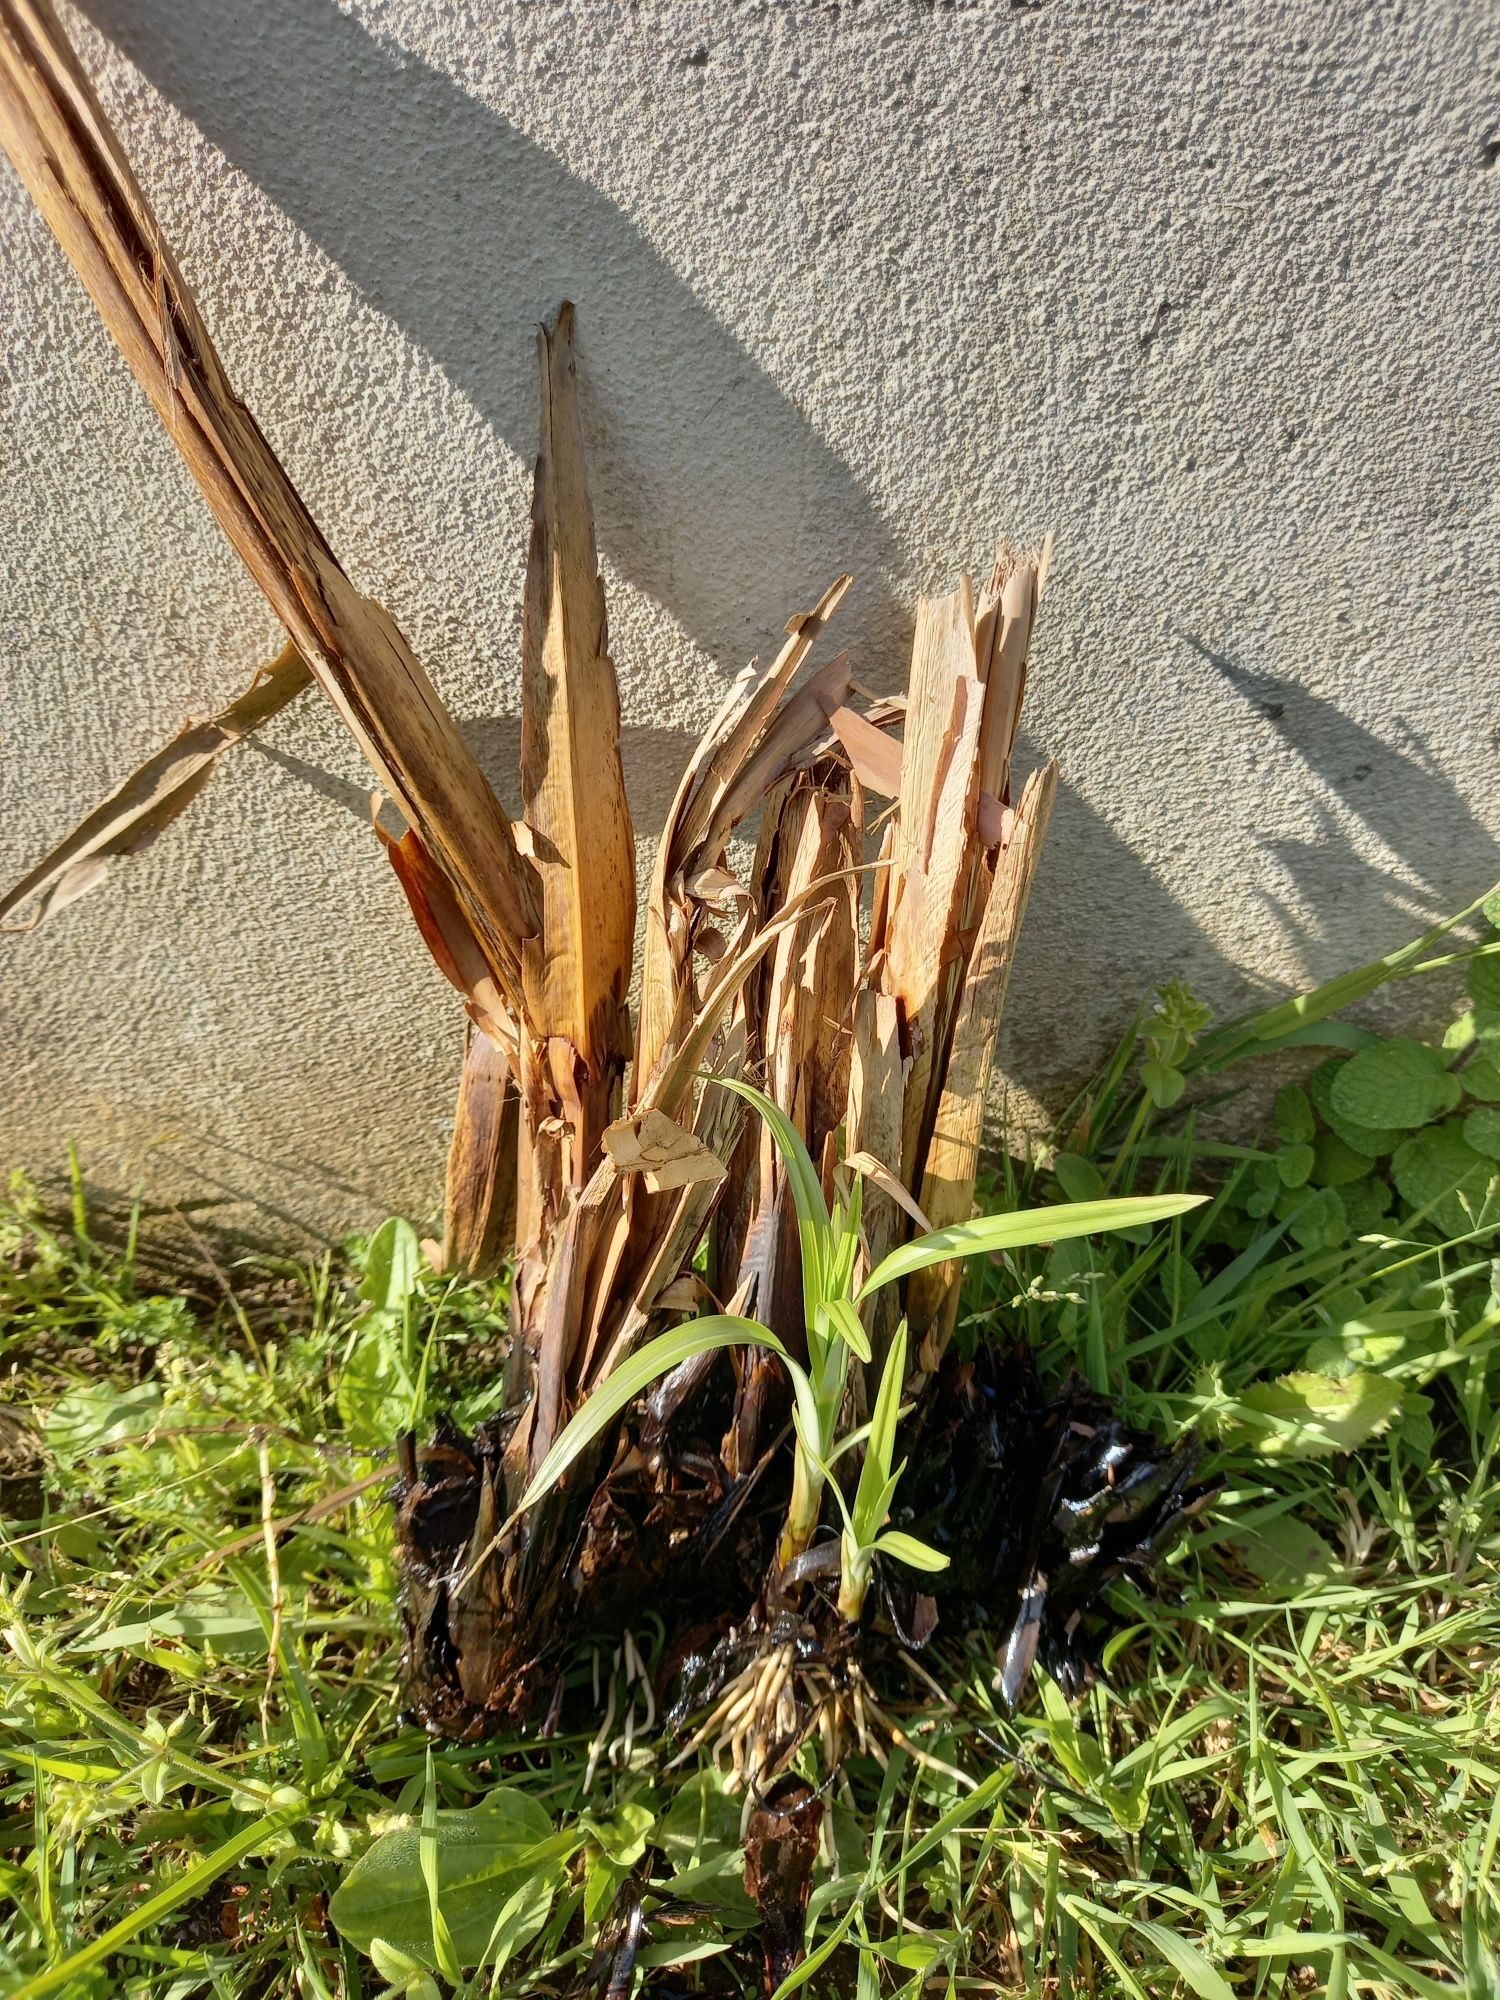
(880, 1450)
(58, 1978)
(442, 1937)
(1254, 1031)
(844, 1320)
(904, 1548)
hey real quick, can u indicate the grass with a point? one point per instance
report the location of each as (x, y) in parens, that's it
(1289, 1781)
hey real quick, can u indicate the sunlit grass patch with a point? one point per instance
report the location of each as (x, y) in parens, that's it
(1284, 1780)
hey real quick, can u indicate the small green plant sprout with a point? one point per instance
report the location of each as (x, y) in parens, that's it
(862, 1538)
(832, 1249)
(1169, 1033)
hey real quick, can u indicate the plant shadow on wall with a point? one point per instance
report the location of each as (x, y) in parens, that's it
(1396, 790)
(713, 493)
(653, 759)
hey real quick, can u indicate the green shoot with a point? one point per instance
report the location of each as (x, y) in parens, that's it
(832, 1296)
(878, 1479)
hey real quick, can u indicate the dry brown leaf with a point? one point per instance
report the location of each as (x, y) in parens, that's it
(749, 726)
(578, 972)
(480, 1205)
(153, 795)
(1002, 640)
(933, 845)
(953, 1155)
(684, 1294)
(879, 1175)
(796, 732)
(661, 1151)
(446, 933)
(874, 753)
(673, 1235)
(703, 813)
(810, 833)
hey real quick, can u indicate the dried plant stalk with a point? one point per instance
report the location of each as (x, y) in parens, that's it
(802, 1030)
(68, 157)
(577, 971)
(953, 1155)
(711, 801)
(153, 795)
(480, 1198)
(934, 830)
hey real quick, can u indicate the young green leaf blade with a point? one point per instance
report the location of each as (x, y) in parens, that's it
(393, 1265)
(1025, 1226)
(815, 1226)
(875, 1473)
(647, 1365)
(907, 1549)
(442, 1937)
(843, 1317)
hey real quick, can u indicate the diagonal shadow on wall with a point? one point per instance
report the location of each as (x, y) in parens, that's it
(654, 760)
(1398, 791)
(714, 493)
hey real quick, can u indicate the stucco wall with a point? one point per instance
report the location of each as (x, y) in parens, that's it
(1207, 288)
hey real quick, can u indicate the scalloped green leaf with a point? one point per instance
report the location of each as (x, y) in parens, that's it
(1318, 1221)
(1396, 1083)
(1294, 1115)
(1481, 1079)
(1440, 1167)
(1482, 1131)
(1367, 1205)
(1375, 1142)
(1305, 1415)
(1265, 1186)
(1483, 980)
(1335, 1163)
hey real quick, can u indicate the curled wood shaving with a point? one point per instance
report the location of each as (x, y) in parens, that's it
(661, 1151)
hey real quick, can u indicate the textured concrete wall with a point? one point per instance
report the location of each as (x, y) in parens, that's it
(1207, 288)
